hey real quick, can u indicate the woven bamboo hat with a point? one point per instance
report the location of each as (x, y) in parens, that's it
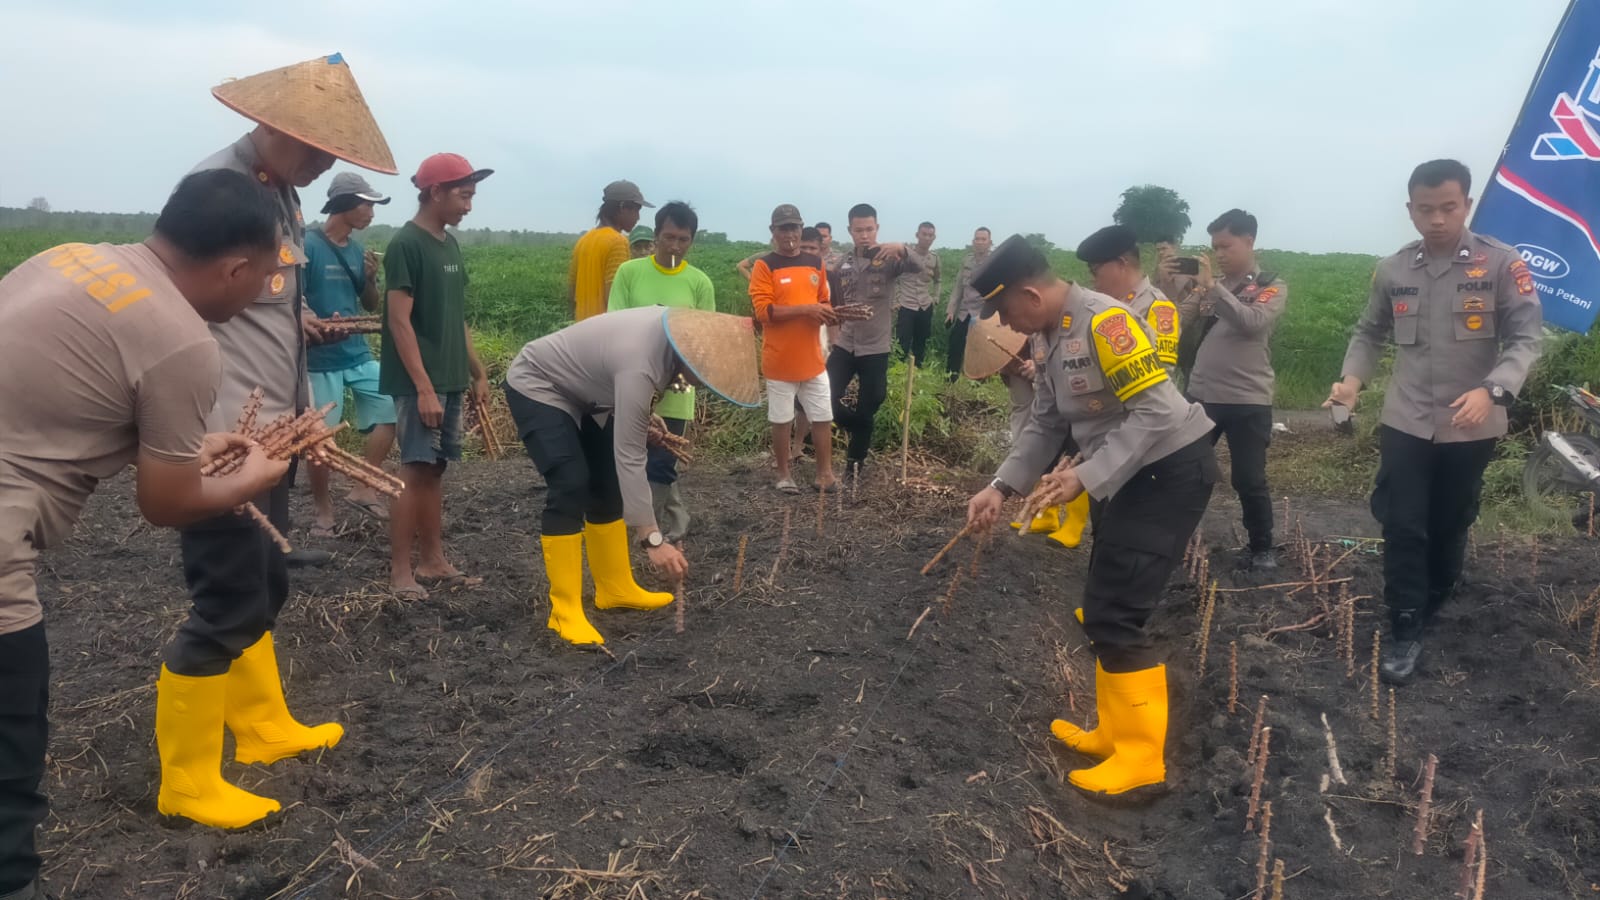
(983, 358)
(719, 349)
(317, 103)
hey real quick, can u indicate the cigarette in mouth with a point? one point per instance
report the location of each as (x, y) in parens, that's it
(672, 261)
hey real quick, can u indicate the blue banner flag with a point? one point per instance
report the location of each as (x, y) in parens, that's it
(1544, 198)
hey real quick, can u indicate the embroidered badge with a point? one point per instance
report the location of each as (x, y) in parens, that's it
(276, 285)
(1267, 295)
(1079, 384)
(286, 254)
(1074, 346)
(1480, 258)
(1473, 304)
(1095, 405)
(1477, 272)
(814, 279)
(1114, 328)
(1401, 308)
(1519, 271)
(1474, 323)
(1066, 321)
(1166, 319)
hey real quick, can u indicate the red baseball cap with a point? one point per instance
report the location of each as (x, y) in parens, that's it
(446, 168)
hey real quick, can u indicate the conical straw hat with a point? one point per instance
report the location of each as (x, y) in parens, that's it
(719, 349)
(983, 358)
(315, 102)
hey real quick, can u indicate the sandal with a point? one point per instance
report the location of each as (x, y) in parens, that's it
(787, 486)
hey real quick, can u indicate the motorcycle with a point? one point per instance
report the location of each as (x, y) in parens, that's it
(1563, 471)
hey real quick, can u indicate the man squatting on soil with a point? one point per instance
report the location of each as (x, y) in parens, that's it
(1148, 467)
(109, 361)
(582, 399)
(221, 667)
(1465, 321)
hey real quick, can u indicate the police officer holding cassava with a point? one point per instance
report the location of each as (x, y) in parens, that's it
(1465, 322)
(1147, 464)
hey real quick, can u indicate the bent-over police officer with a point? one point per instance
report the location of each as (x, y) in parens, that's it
(1146, 461)
(1465, 322)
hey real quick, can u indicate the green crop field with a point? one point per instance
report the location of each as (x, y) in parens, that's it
(515, 295)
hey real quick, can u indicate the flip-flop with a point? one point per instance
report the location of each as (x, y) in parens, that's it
(371, 507)
(832, 488)
(787, 486)
(450, 582)
(411, 592)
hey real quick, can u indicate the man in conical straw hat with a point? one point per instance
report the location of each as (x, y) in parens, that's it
(582, 401)
(221, 668)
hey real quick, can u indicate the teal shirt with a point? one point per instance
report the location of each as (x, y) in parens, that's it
(642, 282)
(329, 293)
(432, 272)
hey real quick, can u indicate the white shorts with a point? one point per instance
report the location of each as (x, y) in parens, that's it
(812, 394)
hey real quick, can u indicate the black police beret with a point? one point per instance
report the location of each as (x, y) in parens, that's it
(1107, 244)
(1014, 262)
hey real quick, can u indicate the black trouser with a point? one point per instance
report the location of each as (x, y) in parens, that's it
(238, 582)
(912, 327)
(956, 351)
(1249, 431)
(661, 466)
(873, 370)
(578, 462)
(24, 698)
(1426, 498)
(1139, 536)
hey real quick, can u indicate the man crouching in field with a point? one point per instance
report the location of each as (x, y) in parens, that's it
(582, 401)
(110, 362)
(1465, 322)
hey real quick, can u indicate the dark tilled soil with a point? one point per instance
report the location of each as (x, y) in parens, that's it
(795, 742)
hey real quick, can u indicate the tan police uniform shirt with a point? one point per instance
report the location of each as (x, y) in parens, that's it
(264, 346)
(1234, 362)
(101, 356)
(1162, 314)
(1458, 323)
(965, 301)
(613, 366)
(1100, 381)
(919, 289)
(867, 278)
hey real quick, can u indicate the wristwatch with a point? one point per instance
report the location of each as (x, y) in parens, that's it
(1005, 490)
(1498, 394)
(652, 540)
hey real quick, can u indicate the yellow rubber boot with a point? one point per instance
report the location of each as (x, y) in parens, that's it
(1096, 743)
(613, 572)
(1044, 521)
(1078, 614)
(1070, 534)
(1136, 707)
(563, 566)
(189, 741)
(263, 729)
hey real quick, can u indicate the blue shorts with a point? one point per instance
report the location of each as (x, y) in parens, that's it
(421, 444)
(372, 408)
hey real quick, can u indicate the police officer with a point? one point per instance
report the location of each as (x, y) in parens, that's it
(221, 667)
(1112, 255)
(1462, 312)
(1147, 463)
(1232, 373)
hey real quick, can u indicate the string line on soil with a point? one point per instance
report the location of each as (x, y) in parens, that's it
(838, 766)
(374, 847)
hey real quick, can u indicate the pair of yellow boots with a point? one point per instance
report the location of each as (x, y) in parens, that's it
(1131, 736)
(614, 587)
(190, 714)
(1063, 523)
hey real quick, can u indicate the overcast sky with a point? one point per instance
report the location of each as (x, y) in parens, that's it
(1022, 116)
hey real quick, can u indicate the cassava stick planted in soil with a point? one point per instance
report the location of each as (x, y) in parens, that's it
(977, 554)
(1233, 677)
(1483, 857)
(1277, 879)
(1334, 770)
(1262, 753)
(1377, 643)
(1390, 759)
(950, 592)
(966, 530)
(783, 545)
(1266, 850)
(905, 420)
(1205, 629)
(1419, 837)
(738, 564)
(1469, 858)
(1255, 731)
(1594, 642)
(677, 600)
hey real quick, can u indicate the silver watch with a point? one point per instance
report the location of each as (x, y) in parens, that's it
(652, 540)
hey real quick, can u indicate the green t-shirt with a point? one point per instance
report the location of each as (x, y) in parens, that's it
(642, 282)
(433, 273)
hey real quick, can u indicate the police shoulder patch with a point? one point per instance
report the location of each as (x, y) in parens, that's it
(1267, 295)
(1125, 353)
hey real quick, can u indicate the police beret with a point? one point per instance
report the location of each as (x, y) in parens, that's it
(1012, 263)
(1107, 244)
